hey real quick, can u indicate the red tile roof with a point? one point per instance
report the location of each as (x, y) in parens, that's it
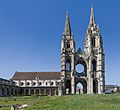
(34, 75)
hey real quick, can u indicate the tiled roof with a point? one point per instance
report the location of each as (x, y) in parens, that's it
(34, 75)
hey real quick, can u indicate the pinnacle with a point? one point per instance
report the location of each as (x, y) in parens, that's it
(67, 29)
(92, 18)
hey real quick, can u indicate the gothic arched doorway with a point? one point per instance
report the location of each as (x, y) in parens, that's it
(79, 88)
(68, 87)
(82, 84)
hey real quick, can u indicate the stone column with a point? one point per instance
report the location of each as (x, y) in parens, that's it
(55, 92)
(90, 79)
(72, 76)
(39, 92)
(100, 87)
(34, 91)
(72, 83)
(44, 91)
(50, 91)
(29, 92)
(24, 91)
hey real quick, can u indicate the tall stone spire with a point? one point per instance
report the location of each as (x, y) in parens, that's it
(92, 18)
(67, 29)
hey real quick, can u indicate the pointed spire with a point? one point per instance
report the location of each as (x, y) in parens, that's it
(92, 18)
(67, 29)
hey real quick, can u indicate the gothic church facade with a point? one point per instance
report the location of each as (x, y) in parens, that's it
(92, 58)
(65, 82)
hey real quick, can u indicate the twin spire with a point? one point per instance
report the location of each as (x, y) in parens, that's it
(92, 18)
(67, 29)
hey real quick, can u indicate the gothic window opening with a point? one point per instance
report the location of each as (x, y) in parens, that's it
(28, 83)
(68, 65)
(34, 83)
(51, 83)
(94, 65)
(93, 42)
(22, 83)
(68, 45)
(40, 83)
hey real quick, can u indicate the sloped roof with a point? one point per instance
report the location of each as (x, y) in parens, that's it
(34, 75)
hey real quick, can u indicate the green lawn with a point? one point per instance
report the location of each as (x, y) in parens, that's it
(73, 102)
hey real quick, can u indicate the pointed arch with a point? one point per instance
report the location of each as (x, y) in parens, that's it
(32, 91)
(68, 65)
(93, 42)
(83, 83)
(68, 86)
(68, 45)
(94, 65)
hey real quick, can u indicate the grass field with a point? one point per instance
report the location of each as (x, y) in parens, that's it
(73, 102)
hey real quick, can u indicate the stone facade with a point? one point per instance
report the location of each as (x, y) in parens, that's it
(92, 58)
(37, 83)
(8, 88)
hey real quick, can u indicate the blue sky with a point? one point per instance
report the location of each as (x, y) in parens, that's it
(31, 31)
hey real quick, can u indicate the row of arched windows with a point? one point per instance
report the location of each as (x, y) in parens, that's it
(35, 83)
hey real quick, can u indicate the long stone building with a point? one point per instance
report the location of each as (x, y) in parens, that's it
(37, 83)
(92, 77)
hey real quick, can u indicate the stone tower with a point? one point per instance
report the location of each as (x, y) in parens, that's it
(67, 58)
(94, 49)
(91, 58)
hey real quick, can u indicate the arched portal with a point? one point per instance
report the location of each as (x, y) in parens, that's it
(32, 91)
(47, 92)
(68, 87)
(83, 85)
(27, 92)
(79, 88)
(95, 86)
(3, 91)
(21, 92)
(37, 92)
